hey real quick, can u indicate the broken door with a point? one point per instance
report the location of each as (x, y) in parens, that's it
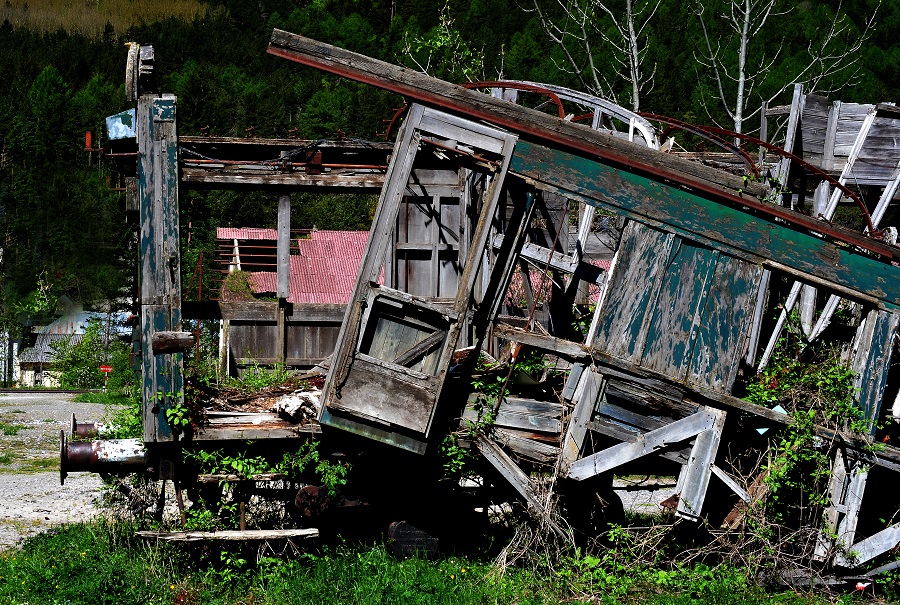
(415, 287)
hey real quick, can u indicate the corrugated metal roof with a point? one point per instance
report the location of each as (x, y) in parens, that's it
(41, 351)
(324, 271)
(76, 323)
(245, 233)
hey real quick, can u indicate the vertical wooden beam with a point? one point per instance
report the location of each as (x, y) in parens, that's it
(695, 474)
(160, 259)
(807, 292)
(829, 162)
(283, 269)
(763, 130)
(845, 491)
(587, 393)
(871, 361)
(793, 129)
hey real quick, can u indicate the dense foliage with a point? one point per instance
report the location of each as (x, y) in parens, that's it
(61, 217)
(77, 361)
(108, 564)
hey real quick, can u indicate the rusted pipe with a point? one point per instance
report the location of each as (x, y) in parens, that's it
(114, 456)
(84, 430)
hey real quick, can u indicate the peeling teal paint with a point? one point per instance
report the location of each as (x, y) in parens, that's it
(731, 229)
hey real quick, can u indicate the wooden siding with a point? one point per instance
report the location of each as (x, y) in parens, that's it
(677, 308)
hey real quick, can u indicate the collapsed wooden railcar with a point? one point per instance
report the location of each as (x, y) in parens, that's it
(688, 306)
(683, 306)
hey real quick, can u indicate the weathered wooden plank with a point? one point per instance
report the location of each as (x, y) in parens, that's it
(542, 256)
(622, 323)
(871, 361)
(866, 550)
(529, 448)
(559, 346)
(515, 419)
(589, 390)
(510, 471)
(572, 381)
(517, 118)
(160, 259)
(730, 230)
(722, 333)
(283, 244)
(230, 535)
(635, 419)
(798, 102)
(172, 342)
(620, 432)
(648, 443)
(421, 348)
(676, 317)
(208, 177)
(695, 474)
(731, 483)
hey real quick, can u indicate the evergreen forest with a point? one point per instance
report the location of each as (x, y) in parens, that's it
(62, 227)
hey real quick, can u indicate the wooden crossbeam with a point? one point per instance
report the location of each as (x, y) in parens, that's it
(649, 443)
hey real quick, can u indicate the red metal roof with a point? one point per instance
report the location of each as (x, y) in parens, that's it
(324, 271)
(245, 233)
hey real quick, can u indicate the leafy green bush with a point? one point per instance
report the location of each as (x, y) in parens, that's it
(78, 363)
(256, 378)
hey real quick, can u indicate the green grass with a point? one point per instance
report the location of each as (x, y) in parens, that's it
(10, 430)
(6, 458)
(102, 563)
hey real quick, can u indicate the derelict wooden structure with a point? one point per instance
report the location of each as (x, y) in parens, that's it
(680, 315)
(688, 305)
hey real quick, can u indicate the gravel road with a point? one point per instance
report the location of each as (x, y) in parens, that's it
(31, 498)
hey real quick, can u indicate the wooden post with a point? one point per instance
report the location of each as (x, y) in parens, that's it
(160, 259)
(808, 293)
(283, 268)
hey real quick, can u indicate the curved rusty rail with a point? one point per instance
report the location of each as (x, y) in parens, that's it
(715, 130)
(702, 133)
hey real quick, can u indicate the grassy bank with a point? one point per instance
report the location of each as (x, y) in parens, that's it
(105, 564)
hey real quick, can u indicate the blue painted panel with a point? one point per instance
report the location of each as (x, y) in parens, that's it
(722, 332)
(872, 369)
(632, 291)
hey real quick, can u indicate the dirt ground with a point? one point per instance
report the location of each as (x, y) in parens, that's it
(31, 498)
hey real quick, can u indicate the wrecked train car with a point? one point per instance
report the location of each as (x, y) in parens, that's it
(706, 270)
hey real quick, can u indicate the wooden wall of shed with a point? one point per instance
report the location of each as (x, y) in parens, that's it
(307, 343)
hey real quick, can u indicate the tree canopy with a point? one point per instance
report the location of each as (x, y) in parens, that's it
(63, 222)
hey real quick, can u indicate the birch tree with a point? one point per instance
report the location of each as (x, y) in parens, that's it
(740, 64)
(603, 45)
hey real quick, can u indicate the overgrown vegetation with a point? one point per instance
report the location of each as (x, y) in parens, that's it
(76, 362)
(104, 563)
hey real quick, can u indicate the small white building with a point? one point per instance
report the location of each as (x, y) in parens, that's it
(35, 361)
